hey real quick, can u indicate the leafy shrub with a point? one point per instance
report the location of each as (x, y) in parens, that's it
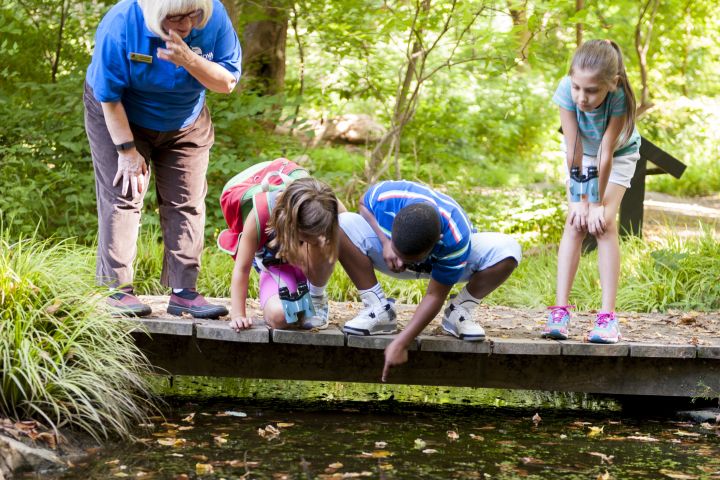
(64, 361)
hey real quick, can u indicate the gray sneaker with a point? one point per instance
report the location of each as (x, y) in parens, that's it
(322, 314)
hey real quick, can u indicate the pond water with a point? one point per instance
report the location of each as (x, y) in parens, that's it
(312, 430)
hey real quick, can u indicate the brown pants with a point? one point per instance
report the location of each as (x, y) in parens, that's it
(179, 160)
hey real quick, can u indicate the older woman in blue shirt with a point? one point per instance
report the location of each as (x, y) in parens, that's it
(145, 112)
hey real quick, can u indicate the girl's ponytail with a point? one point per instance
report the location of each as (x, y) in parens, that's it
(630, 102)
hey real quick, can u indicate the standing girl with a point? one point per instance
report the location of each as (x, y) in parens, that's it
(298, 246)
(597, 113)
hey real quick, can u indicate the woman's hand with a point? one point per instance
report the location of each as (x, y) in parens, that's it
(391, 259)
(239, 322)
(133, 172)
(578, 215)
(176, 50)
(597, 224)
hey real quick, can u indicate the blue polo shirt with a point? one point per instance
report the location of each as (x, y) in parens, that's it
(156, 95)
(448, 258)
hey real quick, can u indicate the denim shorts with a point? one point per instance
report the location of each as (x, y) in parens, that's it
(487, 248)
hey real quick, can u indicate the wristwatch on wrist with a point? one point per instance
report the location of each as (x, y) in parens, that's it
(124, 147)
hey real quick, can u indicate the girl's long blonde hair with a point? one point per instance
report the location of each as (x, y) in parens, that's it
(604, 59)
(307, 206)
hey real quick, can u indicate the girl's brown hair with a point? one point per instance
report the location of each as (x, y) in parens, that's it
(604, 59)
(307, 206)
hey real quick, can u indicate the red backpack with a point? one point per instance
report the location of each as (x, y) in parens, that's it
(247, 191)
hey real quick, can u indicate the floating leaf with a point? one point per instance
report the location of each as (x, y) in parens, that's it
(604, 476)
(536, 419)
(678, 475)
(453, 435)
(682, 433)
(380, 445)
(429, 450)
(335, 465)
(172, 442)
(189, 418)
(377, 454)
(603, 458)
(479, 438)
(642, 438)
(420, 443)
(203, 468)
(219, 441)
(231, 413)
(596, 431)
(285, 425)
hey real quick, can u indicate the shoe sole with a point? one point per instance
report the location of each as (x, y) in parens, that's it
(467, 338)
(130, 313)
(603, 341)
(366, 333)
(178, 312)
(554, 336)
(319, 327)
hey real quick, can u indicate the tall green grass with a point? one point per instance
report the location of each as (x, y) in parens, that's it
(63, 360)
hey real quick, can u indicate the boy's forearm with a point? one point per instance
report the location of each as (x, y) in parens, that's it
(426, 311)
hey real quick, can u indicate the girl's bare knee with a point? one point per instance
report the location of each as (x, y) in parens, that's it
(275, 316)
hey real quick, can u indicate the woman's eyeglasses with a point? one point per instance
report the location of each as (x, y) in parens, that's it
(194, 17)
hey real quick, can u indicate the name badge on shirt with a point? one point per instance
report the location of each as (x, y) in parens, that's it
(139, 57)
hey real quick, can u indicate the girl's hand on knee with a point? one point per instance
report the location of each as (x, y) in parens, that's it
(578, 215)
(239, 323)
(597, 224)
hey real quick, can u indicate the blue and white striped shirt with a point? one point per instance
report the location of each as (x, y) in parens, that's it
(593, 124)
(449, 256)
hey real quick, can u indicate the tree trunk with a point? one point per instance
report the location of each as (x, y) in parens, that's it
(404, 104)
(518, 13)
(642, 45)
(579, 5)
(58, 46)
(232, 10)
(264, 43)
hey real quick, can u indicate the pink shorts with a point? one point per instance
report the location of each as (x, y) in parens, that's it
(289, 274)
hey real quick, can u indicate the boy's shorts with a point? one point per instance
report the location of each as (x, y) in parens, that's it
(487, 248)
(289, 274)
(623, 168)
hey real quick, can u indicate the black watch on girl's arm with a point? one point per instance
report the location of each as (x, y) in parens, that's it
(124, 147)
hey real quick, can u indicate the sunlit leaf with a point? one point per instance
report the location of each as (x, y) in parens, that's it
(203, 468)
(336, 465)
(420, 443)
(380, 445)
(678, 475)
(596, 431)
(603, 458)
(285, 425)
(429, 450)
(377, 454)
(453, 435)
(536, 419)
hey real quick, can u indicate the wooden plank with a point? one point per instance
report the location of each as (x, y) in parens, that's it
(631, 207)
(662, 159)
(172, 326)
(709, 351)
(377, 342)
(662, 351)
(220, 330)
(519, 346)
(674, 377)
(451, 344)
(585, 349)
(332, 337)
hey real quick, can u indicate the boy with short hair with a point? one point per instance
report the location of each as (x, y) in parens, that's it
(408, 230)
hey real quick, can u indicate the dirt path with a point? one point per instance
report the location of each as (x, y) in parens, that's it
(687, 216)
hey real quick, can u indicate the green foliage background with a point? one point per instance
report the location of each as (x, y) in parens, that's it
(483, 123)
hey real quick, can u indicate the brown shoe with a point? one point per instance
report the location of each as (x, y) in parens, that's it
(125, 304)
(190, 302)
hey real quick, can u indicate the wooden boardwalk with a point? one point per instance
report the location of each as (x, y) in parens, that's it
(512, 356)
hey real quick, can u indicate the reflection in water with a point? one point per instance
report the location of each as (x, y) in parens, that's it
(304, 430)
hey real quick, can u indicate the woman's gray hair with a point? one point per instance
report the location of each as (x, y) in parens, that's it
(155, 11)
